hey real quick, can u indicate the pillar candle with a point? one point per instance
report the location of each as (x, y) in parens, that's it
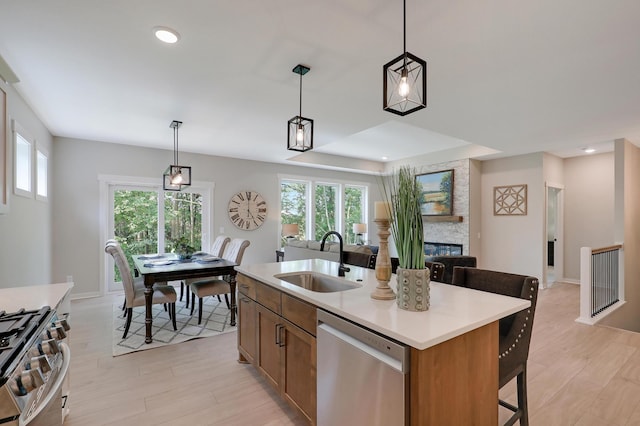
(382, 209)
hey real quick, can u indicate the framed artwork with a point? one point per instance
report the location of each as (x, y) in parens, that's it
(510, 200)
(437, 193)
(4, 154)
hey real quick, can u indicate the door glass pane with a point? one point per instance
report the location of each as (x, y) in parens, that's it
(325, 209)
(135, 221)
(293, 201)
(353, 211)
(182, 221)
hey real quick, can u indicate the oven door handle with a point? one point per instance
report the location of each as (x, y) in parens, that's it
(53, 391)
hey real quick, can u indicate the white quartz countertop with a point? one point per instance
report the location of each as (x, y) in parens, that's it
(454, 310)
(33, 297)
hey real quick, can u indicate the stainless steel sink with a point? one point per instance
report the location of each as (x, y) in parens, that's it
(317, 282)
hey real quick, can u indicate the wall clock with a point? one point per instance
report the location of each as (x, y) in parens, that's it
(247, 210)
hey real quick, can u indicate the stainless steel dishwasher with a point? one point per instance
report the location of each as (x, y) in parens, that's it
(362, 376)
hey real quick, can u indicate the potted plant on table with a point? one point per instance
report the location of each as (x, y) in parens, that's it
(403, 193)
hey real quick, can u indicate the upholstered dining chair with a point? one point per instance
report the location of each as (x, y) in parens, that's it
(514, 330)
(436, 270)
(217, 286)
(134, 295)
(217, 249)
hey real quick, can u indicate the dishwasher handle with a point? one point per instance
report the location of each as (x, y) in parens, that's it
(392, 362)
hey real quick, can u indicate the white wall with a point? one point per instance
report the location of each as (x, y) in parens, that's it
(513, 243)
(79, 250)
(588, 207)
(25, 230)
(628, 316)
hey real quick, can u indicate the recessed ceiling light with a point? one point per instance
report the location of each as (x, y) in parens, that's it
(166, 34)
(385, 158)
(589, 150)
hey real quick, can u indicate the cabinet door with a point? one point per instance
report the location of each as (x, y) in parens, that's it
(247, 338)
(298, 383)
(269, 334)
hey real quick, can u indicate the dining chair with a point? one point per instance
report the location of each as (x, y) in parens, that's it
(217, 286)
(217, 249)
(436, 270)
(134, 295)
(514, 331)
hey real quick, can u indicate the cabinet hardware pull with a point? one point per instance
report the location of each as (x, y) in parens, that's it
(278, 334)
(244, 299)
(244, 286)
(281, 339)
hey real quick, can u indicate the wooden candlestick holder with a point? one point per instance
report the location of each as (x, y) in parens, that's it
(383, 263)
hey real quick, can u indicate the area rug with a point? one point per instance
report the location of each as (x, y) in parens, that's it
(215, 320)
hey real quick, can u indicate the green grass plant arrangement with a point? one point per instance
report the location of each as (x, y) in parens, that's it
(403, 193)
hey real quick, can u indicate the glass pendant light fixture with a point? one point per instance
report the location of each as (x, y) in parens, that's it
(176, 176)
(299, 128)
(405, 79)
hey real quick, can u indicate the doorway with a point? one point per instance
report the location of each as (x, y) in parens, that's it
(554, 234)
(146, 219)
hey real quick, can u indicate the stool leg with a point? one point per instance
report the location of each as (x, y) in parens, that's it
(199, 310)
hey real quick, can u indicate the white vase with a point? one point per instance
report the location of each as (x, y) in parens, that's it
(413, 289)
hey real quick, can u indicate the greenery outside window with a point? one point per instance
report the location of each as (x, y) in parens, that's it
(323, 205)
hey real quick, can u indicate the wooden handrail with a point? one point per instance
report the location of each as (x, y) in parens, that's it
(605, 249)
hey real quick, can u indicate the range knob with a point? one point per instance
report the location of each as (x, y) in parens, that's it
(40, 362)
(46, 347)
(63, 323)
(50, 347)
(54, 332)
(27, 381)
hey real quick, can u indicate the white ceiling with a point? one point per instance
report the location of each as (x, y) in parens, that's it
(512, 76)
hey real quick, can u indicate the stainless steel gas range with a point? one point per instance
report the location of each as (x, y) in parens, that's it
(34, 365)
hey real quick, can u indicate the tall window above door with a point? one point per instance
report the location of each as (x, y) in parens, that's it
(319, 206)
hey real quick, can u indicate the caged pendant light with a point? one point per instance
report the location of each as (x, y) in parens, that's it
(405, 79)
(176, 176)
(299, 128)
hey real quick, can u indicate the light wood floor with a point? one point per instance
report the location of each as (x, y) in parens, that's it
(578, 375)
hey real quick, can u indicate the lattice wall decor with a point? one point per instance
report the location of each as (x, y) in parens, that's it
(510, 200)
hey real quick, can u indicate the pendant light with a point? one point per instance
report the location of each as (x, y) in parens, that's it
(299, 128)
(176, 176)
(405, 79)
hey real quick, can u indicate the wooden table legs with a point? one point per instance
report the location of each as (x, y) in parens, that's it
(148, 299)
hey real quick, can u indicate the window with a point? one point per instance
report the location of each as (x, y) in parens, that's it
(22, 167)
(42, 185)
(145, 219)
(321, 206)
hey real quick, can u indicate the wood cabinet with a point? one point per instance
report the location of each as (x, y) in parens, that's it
(277, 335)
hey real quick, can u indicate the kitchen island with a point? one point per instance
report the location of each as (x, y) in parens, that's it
(454, 345)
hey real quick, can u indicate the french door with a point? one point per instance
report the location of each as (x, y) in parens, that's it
(146, 219)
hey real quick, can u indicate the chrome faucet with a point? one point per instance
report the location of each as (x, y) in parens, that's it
(341, 269)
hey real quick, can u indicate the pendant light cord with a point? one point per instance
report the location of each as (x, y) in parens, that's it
(175, 145)
(404, 31)
(300, 96)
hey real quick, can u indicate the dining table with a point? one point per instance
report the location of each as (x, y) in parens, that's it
(169, 267)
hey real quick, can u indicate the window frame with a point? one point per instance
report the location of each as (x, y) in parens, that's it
(310, 201)
(107, 183)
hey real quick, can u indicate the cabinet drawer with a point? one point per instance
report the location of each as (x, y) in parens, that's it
(300, 313)
(246, 286)
(268, 297)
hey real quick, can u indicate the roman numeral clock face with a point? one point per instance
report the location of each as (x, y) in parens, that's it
(247, 210)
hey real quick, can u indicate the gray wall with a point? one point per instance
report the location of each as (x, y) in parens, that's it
(588, 207)
(25, 230)
(76, 210)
